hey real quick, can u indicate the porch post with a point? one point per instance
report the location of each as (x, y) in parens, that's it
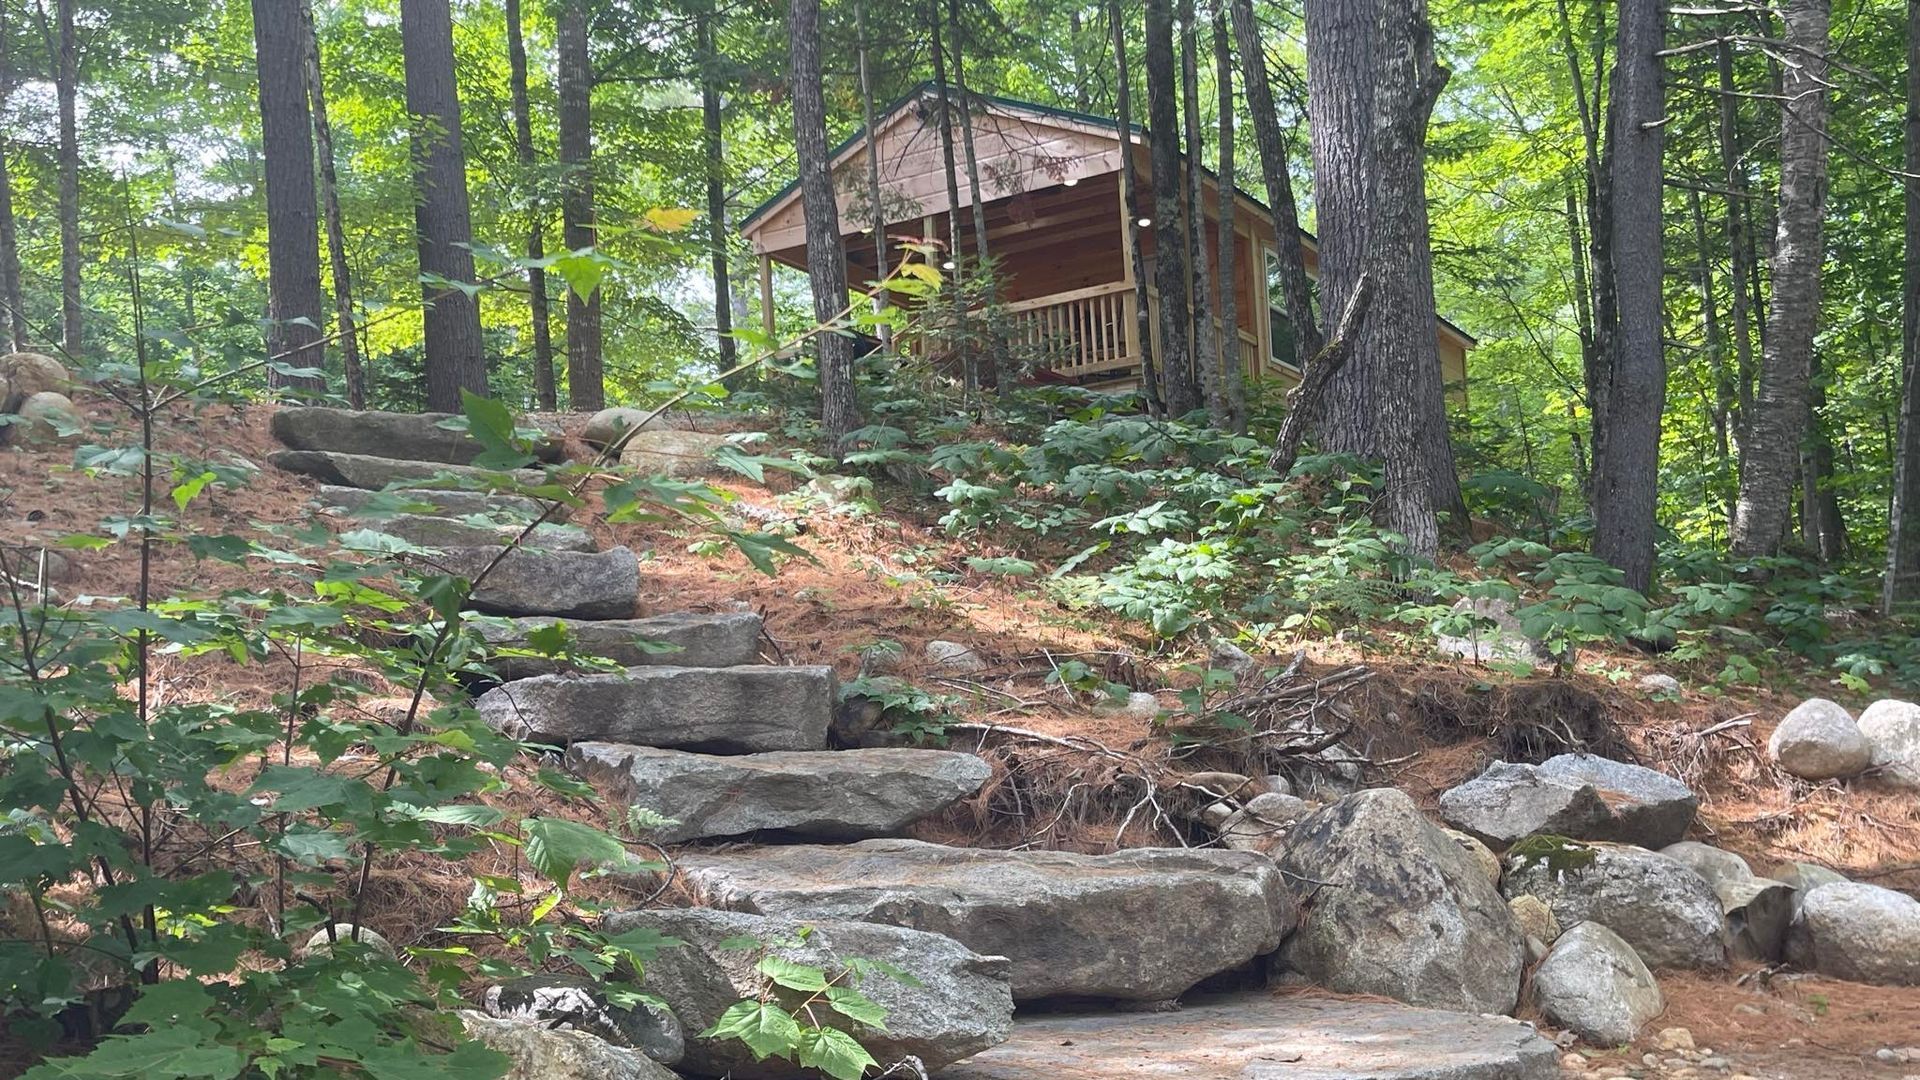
(1129, 300)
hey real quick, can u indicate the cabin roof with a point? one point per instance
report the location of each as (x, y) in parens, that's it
(1071, 118)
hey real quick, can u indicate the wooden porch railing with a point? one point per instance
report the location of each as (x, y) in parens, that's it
(1078, 333)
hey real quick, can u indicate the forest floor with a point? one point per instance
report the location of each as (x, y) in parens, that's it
(895, 576)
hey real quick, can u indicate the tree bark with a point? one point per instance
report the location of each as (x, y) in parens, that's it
(1169, 259)
(1340, 88)
(10, 292)
(1398, 342)
(1821, 522)
(295, 307)
(1295, 288)
(1740, 270)
(1206, 341)
(66, 81)
(826, 260)
(1315, 370)
(539, 307)
(876, 212)
(961, 338)
(1902, 585)
(1632, 392)
(991, 361)
(1234, 392)
(455, 355)
(713, 137)
(354, 375)
(1130, 201)
(1770, 457)
(586, 378)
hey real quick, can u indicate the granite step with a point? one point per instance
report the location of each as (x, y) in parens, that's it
(442, 501)
(407, 436)
(679, 639)
(733, 710)
(373, 472)
(566, 584)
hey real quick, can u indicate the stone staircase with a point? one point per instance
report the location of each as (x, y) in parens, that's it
(733, 749)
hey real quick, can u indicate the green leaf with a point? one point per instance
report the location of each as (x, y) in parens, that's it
(835, 1053)
(767, 1029)
(177, 1053)
(1005, 566)
(759, 548)
(793, 976)
(185, 492)
(472, 816)
(558, 848)
(856, 1006)
(490, 423)
(549, 640)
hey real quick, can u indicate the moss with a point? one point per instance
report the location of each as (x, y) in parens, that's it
(1559, 853)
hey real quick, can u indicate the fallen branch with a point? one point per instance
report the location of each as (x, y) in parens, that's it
(1303, 401)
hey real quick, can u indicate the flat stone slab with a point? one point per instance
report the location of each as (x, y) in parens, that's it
(440, 533)
(412, 436)
(1580, 796)
(568, 584)
(374, 473)
(820, 794)
(1142, 925)
(444, 501)
(735, 710)
(726, 639)
(1268, 1037)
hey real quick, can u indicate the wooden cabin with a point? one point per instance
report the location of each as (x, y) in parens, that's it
(1050, 182)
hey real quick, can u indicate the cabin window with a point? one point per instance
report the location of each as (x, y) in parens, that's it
(1279, 327)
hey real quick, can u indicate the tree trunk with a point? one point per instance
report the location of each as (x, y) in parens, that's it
(1770, 458)
(540, 313)
(1130, 202)
(992, 359)
(876, 212)
(826, 260)
(1231, 373)
(10, 293)
(455, 356)
(295, 307)
(1903, 541)
(1628, 405)
(355, 376)
(1740, 269)
(1400, 351)
(586, 381)
(1295, 288)
(1821, 523)
(1206, 342)
(1340, 88)
(66, 81)
(962, 340)
(714, 140)
(1721, 413)
(1169, 261)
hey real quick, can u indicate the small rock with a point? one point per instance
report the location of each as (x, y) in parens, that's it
(1709, 862)
(1574, 1063)
(1594, 983)
(1673, 1039)
(1226, 656)
(838, 494)
(1263, 822)
(537, 1052)
(1496, 637)
(1280, 784)
(1534, 918)
(1483, 856)
(1819, 740)
(569, 1001)
(955, 657)
(1227, 785)
(1659, 682)
(1893, 729)
(322, 942)
(1138, 705)
(611, 424)
(46, 420)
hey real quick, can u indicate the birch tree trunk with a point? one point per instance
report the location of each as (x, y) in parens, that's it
(455, 356)
(1771, 458)
(1295, 288)
(355, 376)
(826, 260)
(294, 303)
(66, 81)
(1206, 342)
(1169, 254)
(1234, 392)
(1340, 88)
(1631, 393)
(539, 308)
(1903, 542)
(586, 374)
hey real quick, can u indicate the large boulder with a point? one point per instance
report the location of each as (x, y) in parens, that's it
(443, 501)
(46, 420)
(1805, 877)
(614, 423)
(670, 452)
(1495, 635)
(1819, 740)
(1574, 795)
(956, 1004)
(736, 710)
(407, 436)
(1860, 932)
(1143, 924)
(1399, 909)
(1268, 1037)
(1892, 728)
(572, 1001)
(820, 794)
(24, 374)
(433, 531)
(1758, 912)
(373, 472)
(1708, 861)
(1595, 985)
(682, 639)
(537, 1052)
(566, 584)
(1668, 913)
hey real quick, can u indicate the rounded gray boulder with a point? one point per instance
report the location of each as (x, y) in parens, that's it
(1892, 728)
(1593, 984)
(1819, 740)
(1856, 931)
(1668, 913)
